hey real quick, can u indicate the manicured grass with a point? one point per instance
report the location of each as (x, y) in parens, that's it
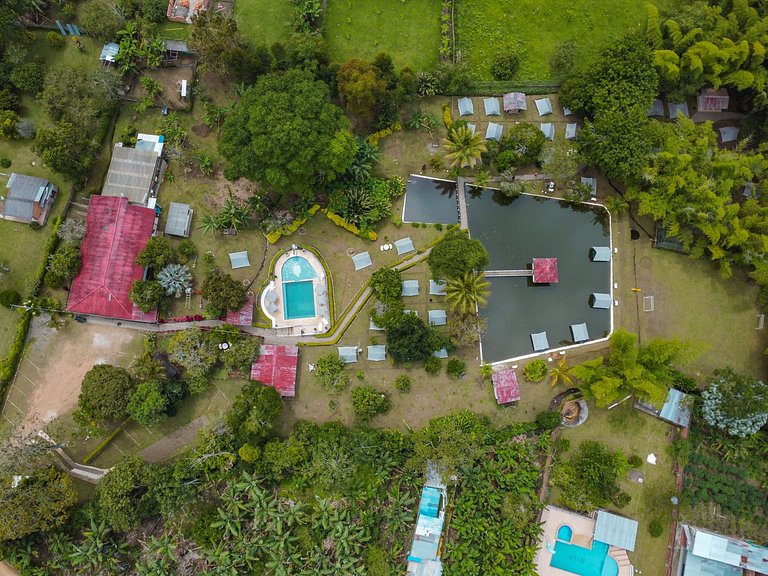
(533, 29)
(633, 432)
(409, 31)
(264, 21)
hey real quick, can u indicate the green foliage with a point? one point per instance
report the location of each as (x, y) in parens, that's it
(249, 453)
(194, 352)
(505, 65)
(411, 340)
(339, 221)
(457, 254)
(735, 404)
(154, 10)
(455, 368)
(253, 413)
(282, 133)
(655, 528)
(535, 371)
(467, 293)
(635, 461)
(186, 249)
(157, 254)
(589, 478)
(433, 365)
(175, 279)
(28, 78)
(105, 393)
(331, 373)
(146, 294)
(122, 494)
(368, 402)
(275, 235)
(548, 420)
(40, 502)
(468, 329)
(680, 450)
(463, 148)
(66, 149)
(241, 354)
(361, 86)
(9, 298)
(5, 163)
(63, 265)
(386, 284)
(403, 383)
(100, 19)
(148, 405)
(224, 293)
(55, 39)
(564, 59)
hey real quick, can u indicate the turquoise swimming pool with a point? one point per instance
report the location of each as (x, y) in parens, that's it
(584, 561)
(299, 298)
(565, 533)
(297, 268)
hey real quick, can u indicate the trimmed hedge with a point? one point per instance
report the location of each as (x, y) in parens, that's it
(288, 229)
(339, 221)
(104, 443)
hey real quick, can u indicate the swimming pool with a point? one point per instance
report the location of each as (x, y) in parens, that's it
(297, 268)
(584, 561)
(299, 298)
(564, 533)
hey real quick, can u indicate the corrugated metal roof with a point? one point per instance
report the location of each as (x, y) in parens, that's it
(730, 551)
(176, 46)
(695, 566)
(276, 367)
(179, 219)
(23, 187)
(616, 530)
(131, 173)
(676, 408)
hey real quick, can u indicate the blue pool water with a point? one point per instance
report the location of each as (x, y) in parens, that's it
(297, 268)
(299, 298)
(564, 533)
(584, 561)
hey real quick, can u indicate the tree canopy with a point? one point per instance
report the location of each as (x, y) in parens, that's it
(286, 134)
(105, 393)
(735, 404)
(223, 293)
(457, 254)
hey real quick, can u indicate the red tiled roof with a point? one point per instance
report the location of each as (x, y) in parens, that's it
(505, 386)
(545, 270)
(242, 317)
(276, 367)
(115, 234)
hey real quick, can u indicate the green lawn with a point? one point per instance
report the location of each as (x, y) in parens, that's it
(633, 432)
(408, 30)
(534, 29)
(264, 21)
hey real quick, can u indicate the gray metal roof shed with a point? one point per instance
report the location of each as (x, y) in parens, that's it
(466, 108)
(23, 192)
(539, 341)
(377, 353)
(437, 317)
(615, 530)
(132, 174)
(579, 332)
(544, 106)
(348, 354)
(600, 254)
(410, 288)
(676, 409)
(491, 106)
(179, 219)
(600, 300)
(362, 260)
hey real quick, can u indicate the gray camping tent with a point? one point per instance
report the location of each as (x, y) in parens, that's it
(544, 106)
(591, 182)
(600, 254)
(491, 106)
(567, 111)
(362, 260)
(676, 108)
(472, 128)
(493, 132)
(348, 354)
(466, 108)
(600, 300)
(539, 341)
(656, 109)
(404, 245)
(549, 130)
(728, 134)
(437, 318)
(239, 259)
(377, 353)
(372, 326)
(570, 130)
(410, 288)
(579, 332)
(442, 353)
(436, 287)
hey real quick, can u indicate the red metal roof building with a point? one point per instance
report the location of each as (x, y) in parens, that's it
(244, 316)
(276, 367)
(115, 234)
(545, 270)
(505, 386)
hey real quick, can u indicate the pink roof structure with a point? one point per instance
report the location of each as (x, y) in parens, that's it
(545, 270)
(711, 100)
(505, 386)
(244, 316)
(276, 367)
(116, 232)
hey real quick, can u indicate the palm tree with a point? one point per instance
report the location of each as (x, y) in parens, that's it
(561, 374)
(463, 147)
(466, 293)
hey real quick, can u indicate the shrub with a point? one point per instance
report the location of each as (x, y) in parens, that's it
(9, 297)
(249, 453)
(55, 39)
(386, 284)
(622, 499)
(186, 250)
(433, 365)
(505, 65)
(655, 529)
(455, 368)
(5, 163)
(367, 402)
(536, 370)
(548, 420)
(403, 383)
(331, 373)
(635, 461)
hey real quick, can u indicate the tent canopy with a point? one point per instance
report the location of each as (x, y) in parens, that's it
(591, 182)
(570, 130)
(466, 108)
(362, 260)
(544, 106)
(749, 190)
(348, 354)
(436, 287)
(567, 111)
(676, 108)
(549, 130)
(404, 245)
(514, 102)
(600, 254)
(600, 300)
(491, 106)
(239, 259)
(579, 332)
(410, 288)
(729, 134)
(442, 353)
(493, 132)
(615, 530)
(539, 341)
(377, 353)
(438, 318)
(656, 109)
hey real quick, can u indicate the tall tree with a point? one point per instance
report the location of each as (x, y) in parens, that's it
(466, 293)
(463, 147)
(361, 86)
(457, 254)
(67, 149)
(104, 394)
(735, 404)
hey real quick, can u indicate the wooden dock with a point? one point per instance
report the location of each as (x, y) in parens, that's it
(507, 273)
(462, 203)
